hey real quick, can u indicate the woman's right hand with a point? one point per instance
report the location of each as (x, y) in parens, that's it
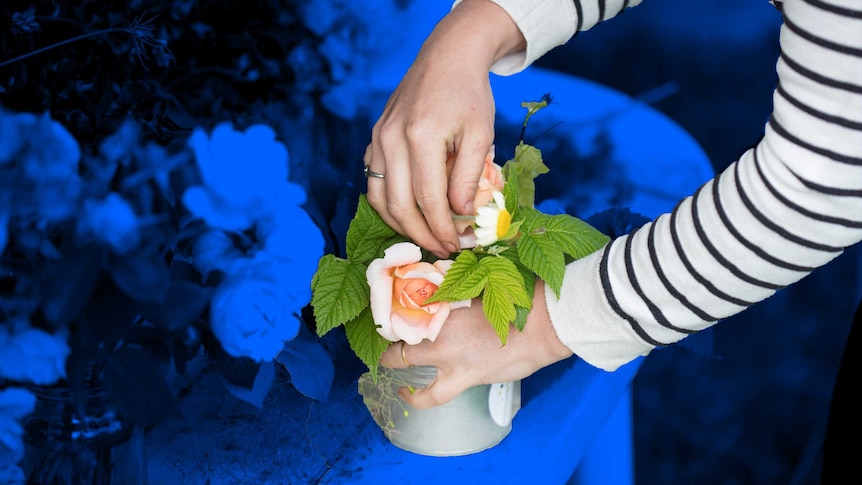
(431, 140)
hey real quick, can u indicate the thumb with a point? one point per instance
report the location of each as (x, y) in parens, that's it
(465, 175)
(440, 391)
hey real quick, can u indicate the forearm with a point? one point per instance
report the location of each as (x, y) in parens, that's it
(788, 206)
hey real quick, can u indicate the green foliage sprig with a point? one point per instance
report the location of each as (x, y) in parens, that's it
(502, 275)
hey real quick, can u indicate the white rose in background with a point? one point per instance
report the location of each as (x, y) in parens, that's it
(15, 403)
(42, 147)
(214, 250)
(31, 355)
(111, 221)
(256, 309)
(243, 174)
(45, 168)
(292, 236)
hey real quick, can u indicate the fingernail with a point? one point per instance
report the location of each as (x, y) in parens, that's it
(450, 247)
(468, 207)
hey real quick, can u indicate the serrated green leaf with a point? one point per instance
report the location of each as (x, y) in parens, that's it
(368, 233)
(533, 220)
(520, 317)
(322, 264)
(542, 256)
(365, 341)
(510, 195)
(504, 275)
(465, 279)
(574, 236)
(498, 309)
(342, 292)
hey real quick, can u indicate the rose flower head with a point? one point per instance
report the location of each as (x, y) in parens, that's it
(400, 286)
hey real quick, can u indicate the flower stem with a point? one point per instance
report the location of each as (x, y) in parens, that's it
(62, 43)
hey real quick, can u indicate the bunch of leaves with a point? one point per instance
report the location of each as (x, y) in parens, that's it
(502, 275)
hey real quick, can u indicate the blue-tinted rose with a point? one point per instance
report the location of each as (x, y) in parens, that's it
(243, 173)
(32, 355)
(320, 16)
(213, 250)
(42, 147)
(295, 239)
(111, 221)
(15, 403)
(11, 474)
(256, 308)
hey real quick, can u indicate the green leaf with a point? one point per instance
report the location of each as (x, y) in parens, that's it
(542, 256)
(341, 293)
(365, 341)
(510, 194)
(504, 275)
(465, 279)
(505, 290)
(498, 309)
(520, 317)
(368, 233)
(522, 170)
(322, 264)
(574, 236)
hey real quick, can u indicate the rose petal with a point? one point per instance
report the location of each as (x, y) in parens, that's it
(401, 254)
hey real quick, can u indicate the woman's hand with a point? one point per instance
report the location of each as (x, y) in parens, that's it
(442, 111)
(467, 352)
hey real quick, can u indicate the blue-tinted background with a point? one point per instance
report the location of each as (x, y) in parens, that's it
(749, 407)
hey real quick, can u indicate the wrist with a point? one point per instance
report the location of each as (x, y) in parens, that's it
(480, 30)
(539, 320)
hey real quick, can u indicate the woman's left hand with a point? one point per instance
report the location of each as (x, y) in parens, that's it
(468, 352)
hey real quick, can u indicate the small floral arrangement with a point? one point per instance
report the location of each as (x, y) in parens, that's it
(127, 258)
(388, 289)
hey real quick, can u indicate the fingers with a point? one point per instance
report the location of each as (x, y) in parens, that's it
(430, 187)
(425, 173)
(394, 197)
(467, 170)
(395, 356)
(442, 390)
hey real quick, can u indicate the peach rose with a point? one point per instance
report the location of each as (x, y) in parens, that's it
(490, 181)
(400, 285)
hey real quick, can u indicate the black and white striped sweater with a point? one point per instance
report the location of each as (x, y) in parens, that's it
(786, 207)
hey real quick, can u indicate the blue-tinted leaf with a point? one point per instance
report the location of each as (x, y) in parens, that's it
(259, 389)
(239, 371)
(310, 366)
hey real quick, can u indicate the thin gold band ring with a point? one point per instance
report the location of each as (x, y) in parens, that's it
(404, 356)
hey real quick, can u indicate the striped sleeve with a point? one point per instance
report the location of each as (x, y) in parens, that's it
(550, 23)
(789, 205)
